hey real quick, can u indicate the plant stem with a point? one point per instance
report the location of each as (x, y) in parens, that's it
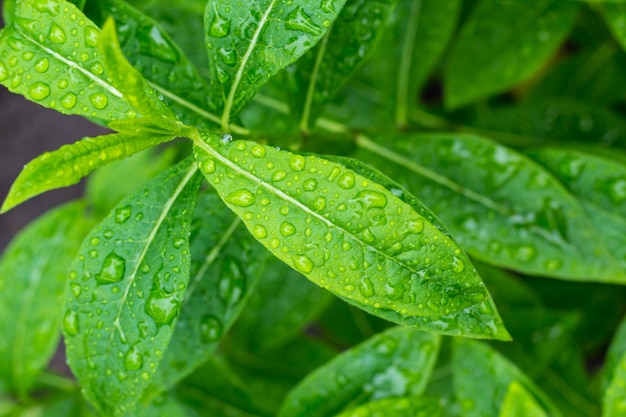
(406, 61)
(306, 112)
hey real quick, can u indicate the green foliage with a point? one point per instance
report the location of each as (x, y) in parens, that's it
(356, 181)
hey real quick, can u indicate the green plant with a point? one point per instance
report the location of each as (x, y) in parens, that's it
(177, 280)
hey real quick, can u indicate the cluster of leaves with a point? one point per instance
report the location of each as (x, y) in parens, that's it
(178, 282)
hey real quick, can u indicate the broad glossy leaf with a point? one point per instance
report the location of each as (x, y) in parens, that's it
(226, 263)
(600, 184)
(615, 15)
(126, 289)
(501, 207)
(614, 399)
(247, 43)
(518, 402)
(321, 73)
(33, 272)
(395, 363)
(49, 55)
(482, 378)
(280, 308)
(502, 44)
(157, 57)
(350, 236)
(555, 120)
(70, 163)
(397, 407)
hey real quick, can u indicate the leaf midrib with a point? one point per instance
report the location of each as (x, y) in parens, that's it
(406, 60)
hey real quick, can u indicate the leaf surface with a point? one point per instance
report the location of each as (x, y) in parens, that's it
(502, 44)
(70, 163)
(49, 55)
(614, 399)
(518, 402)
(615, 16)
(33, 272)
(501, 207)
(395, 363)
(247, 43)
(397, 407)
(482, 379)
(350, 236)
(126, 289)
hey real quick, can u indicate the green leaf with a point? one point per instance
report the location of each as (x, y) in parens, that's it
(615, 355)
(502, 44)
(49, 55)
(166, 405)
(350, 236)
(126, 289)
(600, 184)
(33, 272)
(518, 402)
(280, 308)
(482, 378)
(501, 207)
(68, 164)
(322, 72)
(615, 16)
(397, 407)
(614, 398)
(226, 263)
(395, 363)
(248, 43)
(168, 71)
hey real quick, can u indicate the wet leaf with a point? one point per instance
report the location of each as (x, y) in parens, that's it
(395, 363)
(226, 263)
(482, 379)
(321, 73)
(502, 44)
(397, 407)
(49, 55)
(351, 236)
(126, 288)
(518, 402)
(70, 163)
(33, 272)
(501, 207)
(247, 43)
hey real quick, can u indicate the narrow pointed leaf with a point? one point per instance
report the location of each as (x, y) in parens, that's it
(397, 407)
(395, 363)
(502, 44)
(126, 288)
(226, 263)
(501, 207)
(482, 378)
(33, 272)
(70, 163)
(350, 236)
(49, 55)
(615, 15)
(323, 71)
(161, 62)
(518, 402)
(248, 43)
(600, 184)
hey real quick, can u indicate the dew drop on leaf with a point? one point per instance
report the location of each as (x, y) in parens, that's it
(99, 100)
(303, 263)
(259, 231)
(287, 229)
(241, 198)
(42, 65)
(309, 185)
(226, 138)
(346, 180)
(113, 269)
(39, 90)
(298, 20)
(68, 100)
(57, 34)
(70, 323)
(366, 287)
(297, 163)
(258, 151)
(122, 214)
(163, 307)
(133, 359)
(211, 329)
(232, 285)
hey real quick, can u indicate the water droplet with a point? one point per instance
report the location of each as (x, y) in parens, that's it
(91, 36)
(259, 231)
(297, 163)
(287, 229)
(525, 252)
(326, 23)
(319, 203)
(241, 198)
(366, 287)
(122, 214)
(42, 65)
(302, 263)
(68, 100)
(226, 138)
(211, 329)
(97, 68)
(113, 269)
(298, 20)
(220, 26)
(371, 199)
(70, 323)
(133, 359)
(162, 306)
(279, 175)
(57, 34)
(618, 190)
(39, 90)
(4, 73)
(76, 289)
(258, 151)
(346, 246)
(553, 265)
(99, 100)
(179, 242)
(457, 264)
(346, 180)
(274, 242)
(309, 185)
(232, 284)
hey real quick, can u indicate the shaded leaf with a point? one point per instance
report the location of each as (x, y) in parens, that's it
(397, 407)
(518, 402)
(614, 399)
(502, 44)
(49, 55)
(247, 43)
(33, 272)
(395, 363)
(615, 354)
(70, 163)
(615, 15)
(387, 259)
(126, 289)
(501, 207)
